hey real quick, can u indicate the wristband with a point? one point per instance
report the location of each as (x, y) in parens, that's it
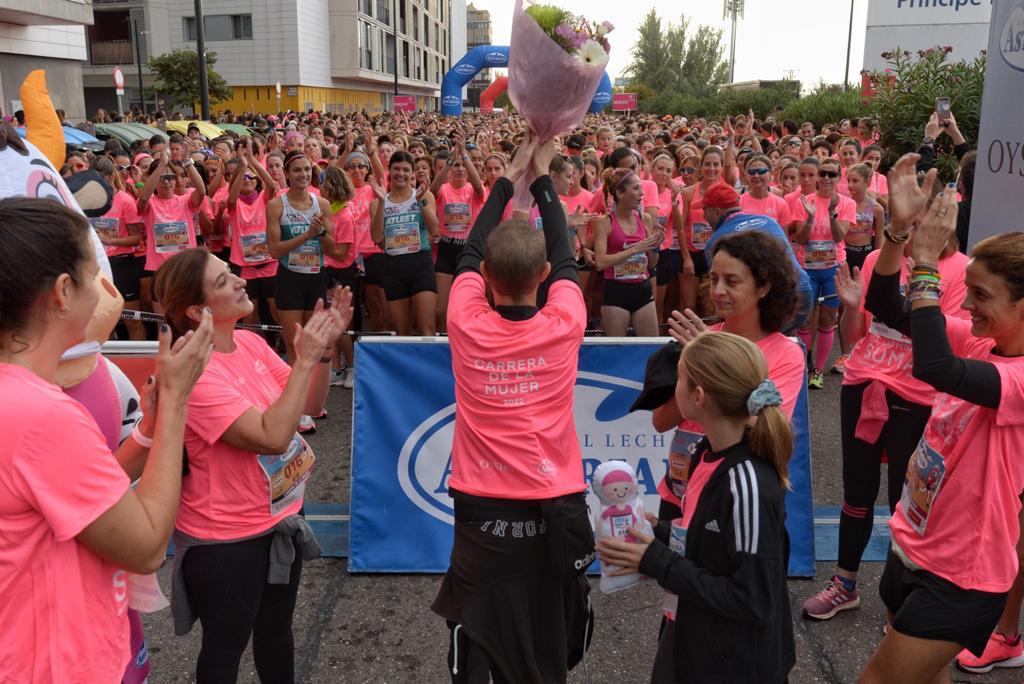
(188, 163)
(141, 439)
(422, 203)
(834, 216)
(140, 185)
(895, 239)
(325, 359)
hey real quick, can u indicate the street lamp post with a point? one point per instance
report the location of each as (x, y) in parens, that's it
(204, 86)
(734, 10)
(849, 43)
(394, 50)
(138, 65)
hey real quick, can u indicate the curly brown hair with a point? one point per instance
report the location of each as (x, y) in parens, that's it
(769, 264)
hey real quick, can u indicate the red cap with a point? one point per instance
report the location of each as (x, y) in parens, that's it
(720, 196)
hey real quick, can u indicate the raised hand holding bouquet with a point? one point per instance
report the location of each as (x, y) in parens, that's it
(555, 63)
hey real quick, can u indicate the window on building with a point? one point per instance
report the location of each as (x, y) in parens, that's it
(365, 46)
(415, 23)
(426, 31)
(221, 27)
(366, 7)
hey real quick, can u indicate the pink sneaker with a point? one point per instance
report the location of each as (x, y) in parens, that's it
(999, 652)
(831, 600)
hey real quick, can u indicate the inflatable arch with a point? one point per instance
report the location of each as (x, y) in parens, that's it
(485, 57)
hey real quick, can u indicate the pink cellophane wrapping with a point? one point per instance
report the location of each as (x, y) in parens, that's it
(550, 88)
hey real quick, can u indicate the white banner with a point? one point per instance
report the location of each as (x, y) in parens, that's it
(998, 200)
(928, 12)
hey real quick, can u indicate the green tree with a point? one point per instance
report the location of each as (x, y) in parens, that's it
(177, 76)
(704, 68)
(669, 63)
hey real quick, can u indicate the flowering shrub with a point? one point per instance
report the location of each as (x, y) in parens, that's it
(906, 98)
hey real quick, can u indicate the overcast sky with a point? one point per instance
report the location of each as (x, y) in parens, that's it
(805, 37)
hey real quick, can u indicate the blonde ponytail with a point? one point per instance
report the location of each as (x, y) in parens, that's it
(730, 369)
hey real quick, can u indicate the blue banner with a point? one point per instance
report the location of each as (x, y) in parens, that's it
(404, 419)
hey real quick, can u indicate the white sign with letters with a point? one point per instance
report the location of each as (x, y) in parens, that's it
(998, 205)
(930, 12)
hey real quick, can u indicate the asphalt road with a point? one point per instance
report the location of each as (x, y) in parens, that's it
(379, 628)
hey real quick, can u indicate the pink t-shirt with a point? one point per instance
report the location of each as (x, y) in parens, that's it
(665, 221)
(821, 251)
(216, 242)
(879, 184)
(249, 247)
(958, 516)
(170, 228)
(231, 493)
(457, 209)
(344, 234)
(360, 208)
(884, 354)
(786, 363)
(62, 607)
(114, 224)
(515, 436)
(771, 206)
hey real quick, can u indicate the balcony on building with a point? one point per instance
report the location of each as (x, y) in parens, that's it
(110, 39)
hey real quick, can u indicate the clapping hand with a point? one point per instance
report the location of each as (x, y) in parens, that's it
(685, 326)
(907, 199)
(849, 286)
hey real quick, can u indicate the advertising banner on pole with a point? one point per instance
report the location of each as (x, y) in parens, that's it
(404, 420)
(623, 102)
(405, 103)
(998, 199)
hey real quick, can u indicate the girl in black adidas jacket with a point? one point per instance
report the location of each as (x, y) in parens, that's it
(733, 621)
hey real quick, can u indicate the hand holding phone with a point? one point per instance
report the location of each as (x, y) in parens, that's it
(942, 110)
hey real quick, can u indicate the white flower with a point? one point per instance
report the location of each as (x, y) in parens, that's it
(592, 53)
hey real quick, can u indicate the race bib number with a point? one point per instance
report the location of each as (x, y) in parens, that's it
(820, 254)
(676, 544)
(254, 248)
(399, 240)
(680, 457)
(700, 234)
(620, 525)
(632, 269)
(882, 330)
(287, 474)
(170, 237)
(457, 217)
(925, 473)
(305, 258)
(106, 228)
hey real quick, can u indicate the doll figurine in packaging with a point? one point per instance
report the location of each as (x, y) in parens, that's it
(621, 508)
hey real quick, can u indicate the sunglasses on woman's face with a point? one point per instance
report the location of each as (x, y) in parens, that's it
(688, 169)
(357, 166)
(249, 176)
(122, 167)
(168, 178)
(828, 174)
(760, 171)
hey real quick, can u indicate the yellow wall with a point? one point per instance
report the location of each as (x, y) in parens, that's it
(263, 99)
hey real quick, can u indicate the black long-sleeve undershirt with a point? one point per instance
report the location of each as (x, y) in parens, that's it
(934, 361)
(556, 235)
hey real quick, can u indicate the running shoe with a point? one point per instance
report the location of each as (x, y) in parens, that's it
(306, 424)
(348, 377)
(338, 376)
(831, 600)
(839, 367)
(999, 652)
(816, 380)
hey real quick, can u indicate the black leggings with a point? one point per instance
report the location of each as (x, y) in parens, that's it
(227, 587)
(862, 466)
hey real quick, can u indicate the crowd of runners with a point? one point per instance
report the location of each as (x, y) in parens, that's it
(755, 245)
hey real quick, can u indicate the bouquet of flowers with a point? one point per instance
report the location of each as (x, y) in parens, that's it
(556, 61)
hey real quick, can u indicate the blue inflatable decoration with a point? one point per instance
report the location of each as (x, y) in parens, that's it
(485, 57)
